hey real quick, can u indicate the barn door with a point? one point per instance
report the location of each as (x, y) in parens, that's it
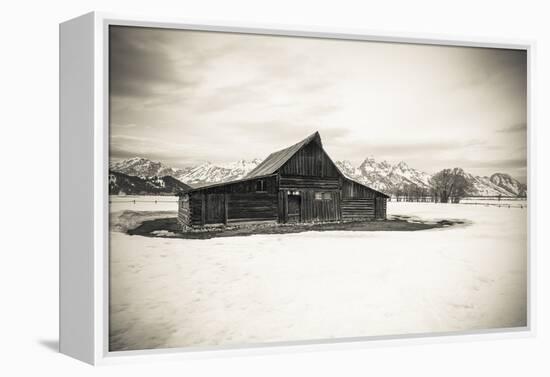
(215, 208)
(379, 208)
(294, 202)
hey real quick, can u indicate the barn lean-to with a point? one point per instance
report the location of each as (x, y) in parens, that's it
(298, 184)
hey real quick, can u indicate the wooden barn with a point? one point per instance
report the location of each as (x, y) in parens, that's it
(298, 184)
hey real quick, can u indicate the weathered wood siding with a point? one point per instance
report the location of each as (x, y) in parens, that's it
(196, 206)
(298, 178)
(235, 202)
(358, 209)
(184, 211)
(380, 209)
(252, 207)
(361, 203)
(270, 186)
(311, 161)
(311, 209)
(282, 210)
(300, 183)
(320, 210)
(215, 208)
(353, 190)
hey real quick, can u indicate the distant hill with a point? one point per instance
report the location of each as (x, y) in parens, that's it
(508, 183)
(381, 176)
(120, 183)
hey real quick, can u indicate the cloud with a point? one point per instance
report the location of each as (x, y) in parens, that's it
(504, 163)
(518, 127)
(140, 63)
(192, 96)
(123, 147)
(158, 65)
(410, 149)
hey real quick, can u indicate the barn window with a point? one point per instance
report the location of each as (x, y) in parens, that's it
(323, 196)
(260, 186)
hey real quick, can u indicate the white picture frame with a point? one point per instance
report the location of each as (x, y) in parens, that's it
(84, 196)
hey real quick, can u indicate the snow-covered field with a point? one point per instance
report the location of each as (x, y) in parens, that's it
(319, 285)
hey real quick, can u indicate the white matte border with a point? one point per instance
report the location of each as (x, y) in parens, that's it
(101, 209)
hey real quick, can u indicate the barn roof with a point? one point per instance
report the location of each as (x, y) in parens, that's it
(276, 160)
(362, 184)
(219, 184)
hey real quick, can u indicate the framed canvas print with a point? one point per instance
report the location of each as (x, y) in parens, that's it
(230, 189)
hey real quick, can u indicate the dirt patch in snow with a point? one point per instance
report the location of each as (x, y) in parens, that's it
(123, 221)
(169, 227)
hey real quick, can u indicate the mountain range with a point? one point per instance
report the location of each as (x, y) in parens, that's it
(120, 183)
(381, 176)
(195, 176)
(387, 178)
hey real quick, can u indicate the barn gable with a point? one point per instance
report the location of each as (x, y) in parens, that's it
(276, 160)
(310, 161)
(306, 158)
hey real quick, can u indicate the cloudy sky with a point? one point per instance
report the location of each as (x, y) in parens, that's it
(186, 97)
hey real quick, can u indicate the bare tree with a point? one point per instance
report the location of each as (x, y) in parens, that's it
(398, 192)
(449, 184)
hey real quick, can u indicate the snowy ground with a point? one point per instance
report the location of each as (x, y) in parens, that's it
(319, 285)
(142, 203)
(127, 212)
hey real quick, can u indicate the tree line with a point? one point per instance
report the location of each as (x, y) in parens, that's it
(447, 185)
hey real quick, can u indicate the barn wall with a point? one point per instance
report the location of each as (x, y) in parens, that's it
(214, 208)
(248, 186)
(381, 205)
(353, 190)
(311, 209)
(235, 202)
(358, 209)
(282, 208)
(320, 210)
(196, 207)
(184, 211)
(361, 203)
(298, 177)
(243, 207)
(311, 161)
(299, 183)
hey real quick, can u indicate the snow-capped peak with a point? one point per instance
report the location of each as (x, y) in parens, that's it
(204, 173)
(142, 167)
(508, 183)
(402, 165)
